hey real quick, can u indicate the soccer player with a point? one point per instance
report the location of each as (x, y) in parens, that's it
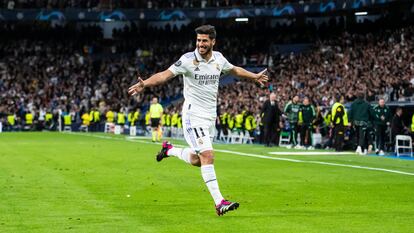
(201, 69)
(156, 111)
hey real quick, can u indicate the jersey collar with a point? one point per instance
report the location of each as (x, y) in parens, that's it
(201, 59)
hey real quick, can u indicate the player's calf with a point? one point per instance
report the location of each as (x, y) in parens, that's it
(185, 154)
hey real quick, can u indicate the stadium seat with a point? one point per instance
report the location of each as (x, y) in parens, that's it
(117, 130)
(316, 139)
(247, 139)
(174, 132)
(133, 131)
(236, 138)
(284, 139)
(166, 131)
(83, 128)
(403, 145)
(180, 133)
(109, 127)
(223, 137)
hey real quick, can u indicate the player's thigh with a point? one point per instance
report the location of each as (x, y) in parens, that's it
(197, 133)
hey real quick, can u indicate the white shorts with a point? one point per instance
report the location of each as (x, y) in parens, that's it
(198, 132)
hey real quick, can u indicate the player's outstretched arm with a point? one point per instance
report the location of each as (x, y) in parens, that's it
(154, 80)
(260, 77)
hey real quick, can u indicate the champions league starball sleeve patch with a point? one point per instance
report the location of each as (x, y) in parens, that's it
(178, 63)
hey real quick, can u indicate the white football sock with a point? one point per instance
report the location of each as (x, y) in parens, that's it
(183, 154)
(209, 177)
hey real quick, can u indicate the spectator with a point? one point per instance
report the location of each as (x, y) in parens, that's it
(292, 112)
(271, 114)
(306, 117)
(339, 119)
(360, 117)
(397, 125)
(67, 68)
(382, 118)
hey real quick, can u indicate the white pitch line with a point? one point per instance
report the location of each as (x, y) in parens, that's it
(132, 139)
(316, 162)
(310, 153)
(259, 156)
(362, 167)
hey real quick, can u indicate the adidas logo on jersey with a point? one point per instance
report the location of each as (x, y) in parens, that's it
(197, 69)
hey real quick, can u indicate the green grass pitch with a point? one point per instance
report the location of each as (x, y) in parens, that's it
(55, 182)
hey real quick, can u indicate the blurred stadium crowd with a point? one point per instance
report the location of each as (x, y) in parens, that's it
(44, 70)
(148, 4)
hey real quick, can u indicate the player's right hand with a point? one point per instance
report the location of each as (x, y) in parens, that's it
(136, 88)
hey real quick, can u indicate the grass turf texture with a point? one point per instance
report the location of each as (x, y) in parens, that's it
(52, 182)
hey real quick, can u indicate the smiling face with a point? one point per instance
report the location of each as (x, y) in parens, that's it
(204, 44)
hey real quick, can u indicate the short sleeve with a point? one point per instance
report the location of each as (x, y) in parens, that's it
(178, 67)
(227, 66)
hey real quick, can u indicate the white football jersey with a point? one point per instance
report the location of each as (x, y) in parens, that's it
(201, 82)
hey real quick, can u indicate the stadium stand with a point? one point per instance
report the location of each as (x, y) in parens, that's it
(140, 4)
(51, 70)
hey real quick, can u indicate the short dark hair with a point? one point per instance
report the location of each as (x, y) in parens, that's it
(207, 30)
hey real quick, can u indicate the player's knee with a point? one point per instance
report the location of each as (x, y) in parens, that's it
(207, 157)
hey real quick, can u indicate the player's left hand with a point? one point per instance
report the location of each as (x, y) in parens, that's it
(261, 77)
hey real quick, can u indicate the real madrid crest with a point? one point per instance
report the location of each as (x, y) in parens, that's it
(200, 141)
